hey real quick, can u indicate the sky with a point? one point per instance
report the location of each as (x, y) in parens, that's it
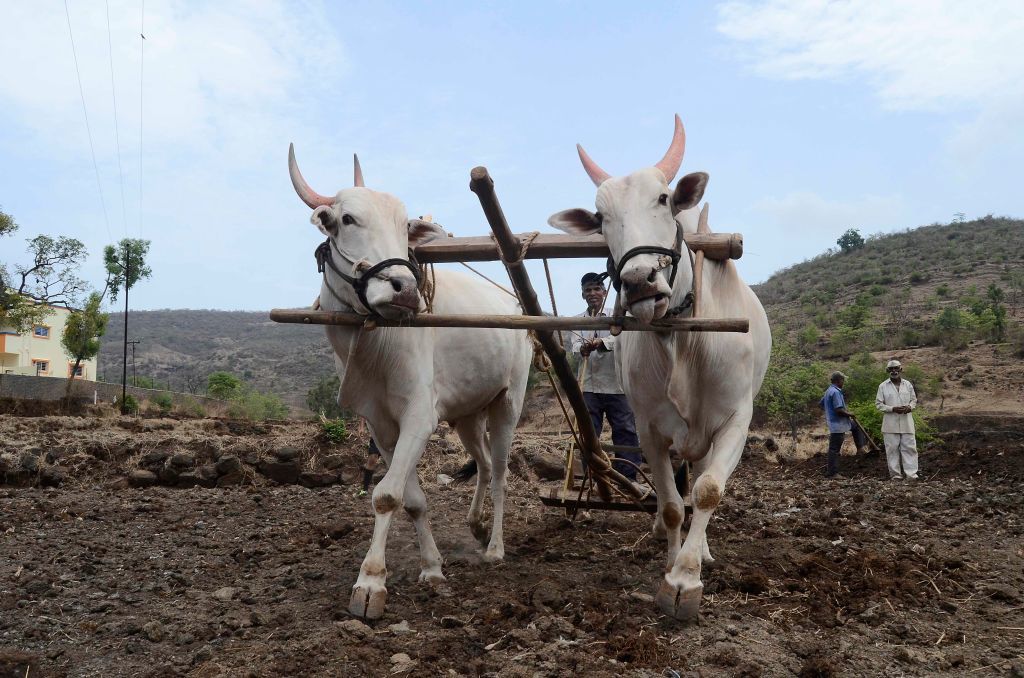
(811, 117)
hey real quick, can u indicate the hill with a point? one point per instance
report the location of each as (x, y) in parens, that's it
(887, 297)
(180, 348)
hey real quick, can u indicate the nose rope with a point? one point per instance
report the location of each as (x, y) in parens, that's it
(324, 259)
(675, 254)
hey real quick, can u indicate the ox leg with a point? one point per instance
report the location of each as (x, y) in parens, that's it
(472, 433)
(416, 509)
(369, 593)
(680, 592)
(502, 416)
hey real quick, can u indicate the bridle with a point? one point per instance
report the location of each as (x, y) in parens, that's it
(324, 258)
(675, 254)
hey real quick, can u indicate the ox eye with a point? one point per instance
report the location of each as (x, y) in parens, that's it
(347, 219)
(599, 217)
(663, 199)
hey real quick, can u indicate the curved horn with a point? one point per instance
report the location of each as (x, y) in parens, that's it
(358, 171)
(308, 195)
(669, 165)
(597, 175)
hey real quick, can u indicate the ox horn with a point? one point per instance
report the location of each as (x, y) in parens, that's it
(669, 165)
(358, 171)
(308, 195)
(597, 175)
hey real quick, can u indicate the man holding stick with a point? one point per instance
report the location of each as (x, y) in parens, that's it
(601, 388)
(840, 420)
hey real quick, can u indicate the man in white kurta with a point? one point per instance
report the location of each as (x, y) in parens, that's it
(896, 399)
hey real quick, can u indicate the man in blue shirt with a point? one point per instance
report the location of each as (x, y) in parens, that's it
(839, 422)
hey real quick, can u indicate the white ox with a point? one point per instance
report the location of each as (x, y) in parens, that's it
(692, 392)
(404, 380)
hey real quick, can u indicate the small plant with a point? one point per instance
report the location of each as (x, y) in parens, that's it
(334, 429)
(917, 278)
(131, 405)
(193, 408)
(164, 401)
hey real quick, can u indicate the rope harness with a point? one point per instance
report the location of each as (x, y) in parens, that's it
(614, 272)
(324, 258)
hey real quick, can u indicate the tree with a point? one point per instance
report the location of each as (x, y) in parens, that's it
(52, 277)
(223, 385)
(82, 332)
(850, 241)
(126, 265)
(323, 398)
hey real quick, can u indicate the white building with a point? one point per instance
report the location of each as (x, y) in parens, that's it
(39, 351)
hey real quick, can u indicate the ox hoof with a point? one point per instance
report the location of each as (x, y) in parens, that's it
(659, 531)
(367, 603)
(494, 555)
(432, 577)
(481, 532)
(682, 604)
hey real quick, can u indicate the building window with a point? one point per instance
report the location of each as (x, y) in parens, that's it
(42, 367)
(80, 372)
(41, 331)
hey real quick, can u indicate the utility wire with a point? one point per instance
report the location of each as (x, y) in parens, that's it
(88, 129)
(142, 71)
(117, 135)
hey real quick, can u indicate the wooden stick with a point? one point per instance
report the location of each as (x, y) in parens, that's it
(698, 264)
(513, 322)
(717, 246)
(482, 185)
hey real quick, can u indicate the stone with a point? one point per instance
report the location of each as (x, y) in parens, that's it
(231, 479)
(451, 622)
(642, 597)
(51, 476)
(280, 472)
(225, 593)
(154, 631)
(771, 445)
(192, 479)
(182, 460)
(286, 453)
(333, 462)
(168, 475)
(400, 658)
(317, 479)
(354, 627)
(29, 462)
(207, 472)
(142, 478)
(444, 480)
(401, 628)
(229, 463)
(547, 467)
(155, 457)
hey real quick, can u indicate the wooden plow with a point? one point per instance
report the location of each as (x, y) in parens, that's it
(512, 250)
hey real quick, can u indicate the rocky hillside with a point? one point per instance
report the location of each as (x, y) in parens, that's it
(180, 348)
(887, 295)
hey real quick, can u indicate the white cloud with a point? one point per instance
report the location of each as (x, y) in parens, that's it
(918, 54)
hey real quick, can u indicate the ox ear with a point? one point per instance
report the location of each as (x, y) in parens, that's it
(576, 221)
(421, 231)
(323, 218)
(689, 191)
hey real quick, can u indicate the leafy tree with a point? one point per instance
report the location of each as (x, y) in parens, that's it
(807, 338)
(995, 294)
(125, 264)
(323, 398)
(792, 388)
(52, 277)
(82, 332)
(850, 241)
(223, 385)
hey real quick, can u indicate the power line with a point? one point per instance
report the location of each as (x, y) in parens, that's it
(142, 71)
(117, 135)
(88, 129)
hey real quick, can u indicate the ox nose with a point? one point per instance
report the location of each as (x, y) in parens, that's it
(639, 282)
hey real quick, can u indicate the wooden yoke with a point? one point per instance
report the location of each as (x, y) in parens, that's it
(511, 250)
(717, 246)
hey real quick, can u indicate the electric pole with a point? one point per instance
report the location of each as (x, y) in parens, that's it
(135, 379)
(124, 369)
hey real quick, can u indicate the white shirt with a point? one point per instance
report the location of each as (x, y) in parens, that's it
(599, 372)
(888, 397)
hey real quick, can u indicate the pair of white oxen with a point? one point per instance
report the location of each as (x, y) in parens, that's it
(692, 392)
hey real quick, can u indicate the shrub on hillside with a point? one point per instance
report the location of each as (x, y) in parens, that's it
(256, 406)
(163, 401)
(871, 419)
(190, 407)
(323, 398)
